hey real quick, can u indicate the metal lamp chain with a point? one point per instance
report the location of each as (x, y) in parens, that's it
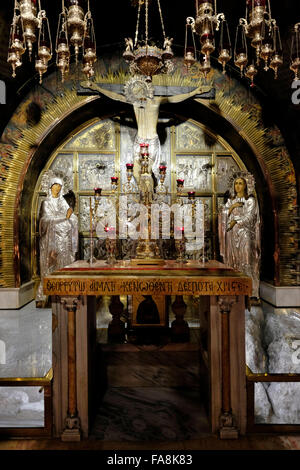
(161, 20)
(146, 22)
(270, 12)
(137, 24)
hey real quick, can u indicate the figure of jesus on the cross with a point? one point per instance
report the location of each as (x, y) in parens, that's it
(146, 110)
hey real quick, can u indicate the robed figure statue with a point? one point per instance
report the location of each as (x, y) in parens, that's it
(239, 229)
(58, 231)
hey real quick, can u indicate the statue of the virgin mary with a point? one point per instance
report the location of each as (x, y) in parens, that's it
(58, 231)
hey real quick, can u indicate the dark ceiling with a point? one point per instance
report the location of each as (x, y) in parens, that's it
(116, 20)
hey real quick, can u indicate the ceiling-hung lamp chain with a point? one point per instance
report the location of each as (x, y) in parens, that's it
(16, 46)
(161, 20)
(146, 24)
(240, 48)
(89, 46)
(44, 43)
(137, 24)
(167, 42)
(62, 43)
(277, 59)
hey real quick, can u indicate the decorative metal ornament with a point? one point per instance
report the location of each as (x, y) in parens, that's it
(145, 57)
(250, 73)
(295, 52)
(263, 32)
(138, 89)
(205, 25)
(74, 28)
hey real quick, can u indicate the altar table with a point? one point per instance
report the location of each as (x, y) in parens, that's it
(73, 290)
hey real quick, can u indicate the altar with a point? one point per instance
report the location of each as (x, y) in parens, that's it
(74, 289)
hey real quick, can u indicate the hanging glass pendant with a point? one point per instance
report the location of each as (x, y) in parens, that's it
(251, 72)
(277, 58)
(16, 46)
(240, 49)
(189, 47)
(267, 48)
(225, 45)
(207, 37)
(295, 52)
(62, 45)
(44, 46)
(205, 66)
(89, 48)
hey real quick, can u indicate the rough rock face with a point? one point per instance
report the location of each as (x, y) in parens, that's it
(13, 400)
(282, 338)
(255, 353)
(256, 361)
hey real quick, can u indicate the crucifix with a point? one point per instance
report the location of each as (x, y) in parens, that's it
(141, 94)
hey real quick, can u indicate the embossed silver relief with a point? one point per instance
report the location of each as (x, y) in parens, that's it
(96, 171)
(195, 170)
(191, 137)
(225, 167)
(99, 136)
(104, 211)
(63, 164)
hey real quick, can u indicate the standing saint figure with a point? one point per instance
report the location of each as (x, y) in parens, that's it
(58, 230)
(239, 229)
(139, 93)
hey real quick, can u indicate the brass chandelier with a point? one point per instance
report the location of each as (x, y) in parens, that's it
(205, 25)
(264, 35)
(30, 25)
(257, 39)
(295, 52)
(146, 57)
(258, 26)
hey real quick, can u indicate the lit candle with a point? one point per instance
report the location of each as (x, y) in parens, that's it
(97, 192)
(129, 166)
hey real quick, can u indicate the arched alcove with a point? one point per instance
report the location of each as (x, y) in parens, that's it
(100, 149)
(239, 125)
